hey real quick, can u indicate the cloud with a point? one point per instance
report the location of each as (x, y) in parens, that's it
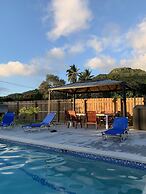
(16, 68)
(101, 62)
(56, 52)
(111, 38)
(128, 49)
(131, 45)
(51, 62)
(137, 61)
(76, 48)
(113, 41)
(69, 16)
(136, 42)
(136, 37)
(96, 44)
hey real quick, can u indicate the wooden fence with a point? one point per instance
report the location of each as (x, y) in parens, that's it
(106, 105)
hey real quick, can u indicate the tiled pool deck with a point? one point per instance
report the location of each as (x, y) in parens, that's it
(84, 140)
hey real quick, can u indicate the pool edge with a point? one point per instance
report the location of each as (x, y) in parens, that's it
(88, 153)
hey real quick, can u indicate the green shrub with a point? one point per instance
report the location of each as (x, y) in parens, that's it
(29, 110)
(28, 113)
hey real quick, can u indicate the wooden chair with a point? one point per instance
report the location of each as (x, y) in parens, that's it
(71, 117)
(91, 119)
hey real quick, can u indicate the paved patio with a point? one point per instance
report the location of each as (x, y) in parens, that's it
(87, 140)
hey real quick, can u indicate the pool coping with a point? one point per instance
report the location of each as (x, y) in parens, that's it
(119, 158)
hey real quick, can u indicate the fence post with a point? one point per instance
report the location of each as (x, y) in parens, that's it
(124, 102)
(49, 102)
(134, 101)
(71, 101)
(144, 100)
(17, 109)
(74, 102)
(121, 102)
(85, 105)
(115, 105)
(58, 110)
(35, 115)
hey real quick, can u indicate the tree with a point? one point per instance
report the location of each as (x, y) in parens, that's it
(72, 74)
(51, 81)
(28, 112)
(43, 89)
(54, 80)
(85, 75)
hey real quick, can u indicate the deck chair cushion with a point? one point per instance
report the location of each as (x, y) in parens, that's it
(120, 126)
(46, 122)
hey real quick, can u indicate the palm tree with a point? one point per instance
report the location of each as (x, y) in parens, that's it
(85, 75)
(72, 73)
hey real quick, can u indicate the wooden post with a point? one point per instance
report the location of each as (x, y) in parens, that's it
(115, 105)
(134, 99)
(58, 110)
(124, 101)
(121, 104)
(74, 102)
(17, 109)
(85, 106)
(49, 102)
(144, 100)
(35, 115)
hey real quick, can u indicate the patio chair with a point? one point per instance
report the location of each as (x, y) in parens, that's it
(91, 119)
(119, 128)
(8, 119)
(48, 120)
(72, 118)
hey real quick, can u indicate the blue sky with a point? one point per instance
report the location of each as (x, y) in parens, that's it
(47, 36)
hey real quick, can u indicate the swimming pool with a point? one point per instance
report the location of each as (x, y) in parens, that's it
(34, 171)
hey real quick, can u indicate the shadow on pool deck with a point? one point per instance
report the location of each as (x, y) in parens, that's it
(83, 138)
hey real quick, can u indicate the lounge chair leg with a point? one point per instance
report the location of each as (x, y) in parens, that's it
(104, 136)
(121, 137)
(76, 125)
(126, 134)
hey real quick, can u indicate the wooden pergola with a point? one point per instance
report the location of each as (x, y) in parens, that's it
(92, 87)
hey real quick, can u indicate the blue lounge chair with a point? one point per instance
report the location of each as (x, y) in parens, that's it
(8, 119)
(45, 123)
(120, 128)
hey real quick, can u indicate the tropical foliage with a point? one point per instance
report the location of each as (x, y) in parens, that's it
(133, 77)
(29, 110)
(29, 95)
(72, 73)
(28, 113)
(136, 79)
(85, 75)
(51, 81)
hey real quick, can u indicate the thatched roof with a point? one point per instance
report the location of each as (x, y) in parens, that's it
(90, 86)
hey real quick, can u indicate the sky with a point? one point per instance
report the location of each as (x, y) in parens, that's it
(40, 37)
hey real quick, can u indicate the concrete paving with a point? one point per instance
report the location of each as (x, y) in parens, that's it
(90, 140)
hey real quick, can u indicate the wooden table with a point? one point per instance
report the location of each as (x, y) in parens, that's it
(106, 118)
(98, 115)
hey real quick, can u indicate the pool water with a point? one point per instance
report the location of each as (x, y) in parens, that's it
(24, 170)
